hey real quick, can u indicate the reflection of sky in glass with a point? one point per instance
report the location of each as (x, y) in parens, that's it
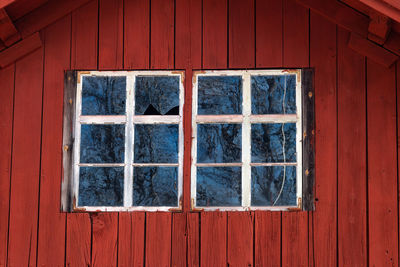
(219, 95)
(218, 143)
(101, 186)
(103, 95)
(155, 186)
(219, 186)
(273, 94)
(266, 185)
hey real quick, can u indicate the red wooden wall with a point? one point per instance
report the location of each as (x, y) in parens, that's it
(356, 221)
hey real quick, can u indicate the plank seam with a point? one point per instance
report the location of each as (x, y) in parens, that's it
(366, 157)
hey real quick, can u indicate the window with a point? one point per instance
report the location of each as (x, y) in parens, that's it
(252, 140)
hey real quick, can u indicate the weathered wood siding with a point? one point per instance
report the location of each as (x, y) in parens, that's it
(357, 118)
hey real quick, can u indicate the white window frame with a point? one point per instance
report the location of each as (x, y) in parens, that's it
(130, 119)
(246, 119)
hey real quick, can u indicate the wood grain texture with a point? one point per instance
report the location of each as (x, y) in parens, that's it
(158, 239)
(178, 240)
(104, 239)
(382, 174)
(131, 239)
(240, 239)
(193, 240)
(6, 132)
(23, 222)
(78, 240)
(323, 58)
(51, 222)
(352, 168)
(213, 239)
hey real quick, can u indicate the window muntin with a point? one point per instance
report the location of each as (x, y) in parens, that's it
(266, 106)
(128, 149)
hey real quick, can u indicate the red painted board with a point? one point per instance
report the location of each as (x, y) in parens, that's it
(111, 34)
(104, 239)
(398, 124)
(267, 243)
(269, 33)
(78, 240)
(240, 238)
(193, 239)
(26, 161)
(323, 59)
(382, 164)
(295, 54)
(215, 34)
(352, 168)
(136, 34)
(131, 239)
(162, 34)
(188, 31)
(51, 222)
(213, 239)
(158, 239)
(241, 34)
(6, 132)
(178, 239)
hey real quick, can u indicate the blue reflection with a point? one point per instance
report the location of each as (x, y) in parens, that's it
(103, 95)
(219, 186)
(100, 186)
(266, 184)
(267, 142)
(219, 143)
(219, 95)
(102, 143)
(155, 186)
(158, 95)
(268, 94)
(156, 143)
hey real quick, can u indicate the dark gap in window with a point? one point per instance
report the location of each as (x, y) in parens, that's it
(151, 111)
(173, 111)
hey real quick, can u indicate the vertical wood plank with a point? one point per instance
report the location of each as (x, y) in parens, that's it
(51, 222)
(213, 239)
(382, 174)
(158, 239)
(136, 34)
(240, 238)
(295, 54)
(104, 239)
(215, 34)
(241, 34)
(6, 128)
(83, 56)
(178, 240)
(162, 34)
(22, 241)
(110, 34)
(193, 245)
(352, 168)
(131, 239)
(323, 58)
(269, 33)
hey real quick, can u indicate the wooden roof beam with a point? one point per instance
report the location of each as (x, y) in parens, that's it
(4, 3)
(8, 33)
(384, 8)
(379, 28)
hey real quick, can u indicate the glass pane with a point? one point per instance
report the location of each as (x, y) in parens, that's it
(273, 94)
(156, 143)
(157, 95)
(102, 143)
(273, 186)
(219, 95)
(219, 143)
(155, 186)
(101, 186)
(103, 95)
(219, 186)
(269, 141)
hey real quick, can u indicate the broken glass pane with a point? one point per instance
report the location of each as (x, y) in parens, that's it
(155, 186)
(156, 143)
(102, 143)
(101, 186)
(267, 189)
(268, 142)
(103, 95)
(219, 95)
(157, 95)
(273, 94)
(219, 143)
(219, 186)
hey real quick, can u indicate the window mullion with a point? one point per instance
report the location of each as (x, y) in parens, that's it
(246, 142)
(129, 135)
